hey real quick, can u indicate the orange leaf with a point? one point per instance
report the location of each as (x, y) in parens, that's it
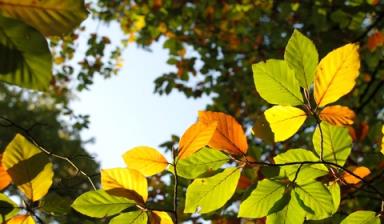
(375, 40)
(337, 115)
(244, 183)
(229, 135)
(21, 219)
(145, 159)
(382, 140)
(5, 179)
(196, 137)
(360, 171)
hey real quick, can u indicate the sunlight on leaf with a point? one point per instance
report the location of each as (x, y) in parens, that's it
(337, 115)
(158, 217)
(229, 135)
(5, 179)
(360, 171)
(285, 121)
(334, 189)
(145, 159)
(382, 140)
(292, 213)
(21, 219)
(362, 217)
(135, 217)
(336, 74)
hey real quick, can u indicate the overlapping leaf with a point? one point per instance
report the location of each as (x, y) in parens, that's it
(229, 135)
(50, 17)
(5, 179)
(145, 159)
(158, 217)
(28, 167)
(135, 217)
(360, 171)
(336, 74)
(292, 213)
(21, 219)
(8, 208)
(284, 121)
(337, 115)
(362, 217)
(334, 189)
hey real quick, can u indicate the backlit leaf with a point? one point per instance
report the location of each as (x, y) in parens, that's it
(276, 83)
(360, 171)
(301, 55)
(100, 204)
(196, 137)
(362, 217)
(25, 59)
(334, 189)
(382, 140)
(5, 179)
(208, 194)
(285, 121)
(292, 213)
(145, 159)
(337, 115)
(50, 17)
(229, 135)
(28, 167)
(8, 208)
(158, 217)
(336, 142)
(336, 74)
(204, 160)
(125, 182)
(21, 219)
(262, 199)
(136, 217)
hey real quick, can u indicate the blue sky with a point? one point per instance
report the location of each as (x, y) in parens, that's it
(124, 111)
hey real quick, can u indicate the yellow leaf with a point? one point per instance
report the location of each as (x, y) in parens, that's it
(382, 140)
(336, 74)
(229, 135)
(5, 179)
(125, 182)
(145, 159)
(196, 137)
(285, 121)
(158, 217)
(337, 115)
(21, 219)
(360, 171)
(29, 168)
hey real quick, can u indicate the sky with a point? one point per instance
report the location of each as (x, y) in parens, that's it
(124, 111)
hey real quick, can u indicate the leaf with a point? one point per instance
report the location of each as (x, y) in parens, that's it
(315, 199)
(21, 219)
(360, 171)
(28, 167)
(337, 143)
(262, 130)
(276, 83)
(145, 159)
(262, 199)
(125, 182)
(337, 115)
(382, 140)
(229, 135)
(196, 137)
(301, 55)
(292, 213)
(5, 179)
(8, 208)
(204, 160)
(99, 204)
(375, 40)
(52, 17)
(285, 121)
(136, 217)
(307, 172)
(55, 204)
(336, 74)
(362, 217)
(208, 194)
(334, 189)
(158, 217)
(25, 59)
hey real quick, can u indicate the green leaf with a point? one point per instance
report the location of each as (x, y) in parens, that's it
(292, 213)
(28, 167)
(315, 199)
(100, 204)
(200, 162)
(137, 217)
(276, 83)
(208, 194)
(337, 143)
(307, 172)
(8, 208)
(53, 17)
(25, 59)
(262, 199)
(334, 189)
(301, 55)
(54, 204)
(361, 217)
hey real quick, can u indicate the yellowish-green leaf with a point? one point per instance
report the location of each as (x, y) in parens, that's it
(362, 217)
(285, 121)
(21, 219)
(196, 137)
(125, 182)
(135, 217)
(337, 115)
(336, 74)
(50, 17)
(229, 135)
(28, 167)
(158, 217)
(382, 140)
(145, 159)
(334, 189)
